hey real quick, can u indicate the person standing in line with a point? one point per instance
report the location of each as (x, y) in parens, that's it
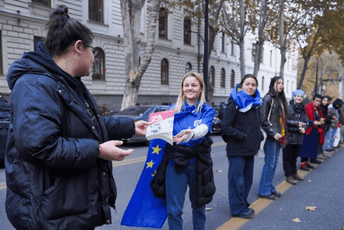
(274, 114)
(241, 131)
(297, 121)
(188, 162)
(314, 132)
(325, 102)
(333, 112)
(59, 149)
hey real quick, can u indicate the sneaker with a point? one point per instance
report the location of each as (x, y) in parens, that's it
(309, 165)
(315, 161)
(321, 156)
(247, 214)
(298, 177)
(304, 168)
(291, 180)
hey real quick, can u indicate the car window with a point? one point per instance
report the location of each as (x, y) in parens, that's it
(160, 109)
(134, 111)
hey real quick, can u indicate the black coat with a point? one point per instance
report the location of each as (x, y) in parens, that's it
(241, 131)
(54, 177)
(205, 185)
(297, 113)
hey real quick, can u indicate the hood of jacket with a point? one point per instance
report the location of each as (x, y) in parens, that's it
(39, 62)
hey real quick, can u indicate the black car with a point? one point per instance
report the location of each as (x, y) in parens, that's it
(4, 123)
(140, 112)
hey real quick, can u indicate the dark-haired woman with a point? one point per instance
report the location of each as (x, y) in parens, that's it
(274, 114)
(58, 159)
(241, 131)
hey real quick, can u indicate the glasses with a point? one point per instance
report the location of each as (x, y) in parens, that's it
(94, 51)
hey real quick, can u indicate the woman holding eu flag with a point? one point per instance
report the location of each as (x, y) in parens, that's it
(241, 131)
(188, 161)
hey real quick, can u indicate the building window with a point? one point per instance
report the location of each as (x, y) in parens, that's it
(187, 31)
(222, 42)
(188, 67)
(99, 66)
(163, 23)
(95, 10)
(212, 76)
(232, 78)
(223, 78)
(271, 58)
(164, 72)
(1, 68)
(287, 86)
(292, 86)
(263, 83)
(43, 2)
(35, 41)
(232, 49)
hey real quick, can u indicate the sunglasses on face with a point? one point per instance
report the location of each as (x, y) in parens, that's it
(94, 51)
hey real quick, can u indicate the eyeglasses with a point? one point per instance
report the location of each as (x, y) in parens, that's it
(94, 51)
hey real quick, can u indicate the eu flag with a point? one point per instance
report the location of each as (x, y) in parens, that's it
(145, 210)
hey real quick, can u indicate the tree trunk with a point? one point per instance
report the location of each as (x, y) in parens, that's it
(131, 11)
(242, 38)
(282, 38)
(261, 37)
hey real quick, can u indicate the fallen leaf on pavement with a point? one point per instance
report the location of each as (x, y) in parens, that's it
(208, 209)
(311, 208)
(309, 181)
(219, 170)
(296, 220)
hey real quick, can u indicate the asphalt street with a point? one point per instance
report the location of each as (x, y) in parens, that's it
(322, 191)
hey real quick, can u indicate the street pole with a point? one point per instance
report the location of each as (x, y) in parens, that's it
(206, 49)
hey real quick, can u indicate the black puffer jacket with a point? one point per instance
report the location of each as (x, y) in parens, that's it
(205, 185)
(297, 113)
(241, 131)
(54, 177)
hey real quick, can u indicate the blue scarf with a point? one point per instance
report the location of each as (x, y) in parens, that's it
(243, 100)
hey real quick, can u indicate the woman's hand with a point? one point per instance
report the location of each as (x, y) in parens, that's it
(109, 151)
(302, 130)
(181, 136)
(278, 136)
(141, 127)
(301, 124)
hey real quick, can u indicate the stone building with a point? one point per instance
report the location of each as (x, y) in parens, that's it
(22, 26)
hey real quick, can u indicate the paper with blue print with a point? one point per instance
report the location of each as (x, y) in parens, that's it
(145, 210)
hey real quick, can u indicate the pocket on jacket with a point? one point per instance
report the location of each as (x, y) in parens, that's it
(67, 196)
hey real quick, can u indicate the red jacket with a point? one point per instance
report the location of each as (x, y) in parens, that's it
(310, 111)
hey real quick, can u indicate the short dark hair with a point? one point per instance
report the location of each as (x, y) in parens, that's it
(317, 96)
(63, 31)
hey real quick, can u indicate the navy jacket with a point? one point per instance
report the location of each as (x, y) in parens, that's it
(54, 177)
(241, 131)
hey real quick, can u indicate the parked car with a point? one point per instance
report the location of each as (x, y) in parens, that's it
(140, 112)
(4, 123)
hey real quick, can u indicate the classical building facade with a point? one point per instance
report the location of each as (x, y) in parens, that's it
(176, 51)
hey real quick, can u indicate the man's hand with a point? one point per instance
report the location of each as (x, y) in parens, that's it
(141, 127)
(181, 136)
(109, 151)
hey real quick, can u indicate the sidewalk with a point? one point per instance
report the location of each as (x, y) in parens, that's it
(322, 190)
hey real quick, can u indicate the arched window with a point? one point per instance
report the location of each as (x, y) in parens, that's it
(163, 17)
(99, 65)
(212, 76)
(188, 67)
(187, 31)
(263, 83)
(223, 78)
(287, 86)
(164, 72)
(232, 78)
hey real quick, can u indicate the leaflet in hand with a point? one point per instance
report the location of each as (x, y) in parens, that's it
(162, 127)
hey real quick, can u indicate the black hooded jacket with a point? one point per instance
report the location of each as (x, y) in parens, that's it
(54, 177)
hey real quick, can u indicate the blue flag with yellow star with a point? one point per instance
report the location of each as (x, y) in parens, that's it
(145, 210)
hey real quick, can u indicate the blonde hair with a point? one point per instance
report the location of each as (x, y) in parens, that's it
(181, 98)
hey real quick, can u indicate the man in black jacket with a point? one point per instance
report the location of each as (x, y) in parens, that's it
(325, 102)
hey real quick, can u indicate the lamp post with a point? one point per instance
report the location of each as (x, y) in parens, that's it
(206, 48)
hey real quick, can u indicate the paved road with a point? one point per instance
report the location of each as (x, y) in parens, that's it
(323, 188)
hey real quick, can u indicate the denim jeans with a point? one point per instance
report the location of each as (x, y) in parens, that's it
(240, 177)
(271, 150)
(176, 185)
(329, 139)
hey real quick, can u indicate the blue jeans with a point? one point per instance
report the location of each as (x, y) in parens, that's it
(240, 177)
(329, 139)
(271, 151)
(176, 185)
